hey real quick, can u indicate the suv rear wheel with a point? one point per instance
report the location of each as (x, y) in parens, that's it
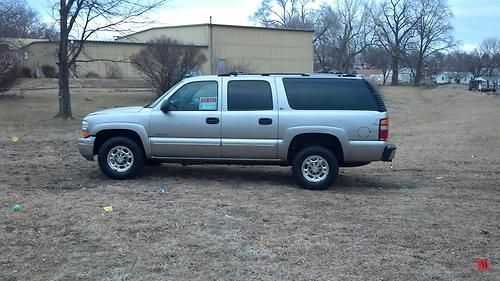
(315, 167)
(120, 158)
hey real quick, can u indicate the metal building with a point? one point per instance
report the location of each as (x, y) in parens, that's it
(241, 48)
(227, 48)
(98, 59)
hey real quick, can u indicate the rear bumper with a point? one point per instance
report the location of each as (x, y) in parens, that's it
(370, 151)
(389, 153)
(86, 147)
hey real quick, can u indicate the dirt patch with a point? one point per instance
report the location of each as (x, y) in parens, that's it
(429, 215)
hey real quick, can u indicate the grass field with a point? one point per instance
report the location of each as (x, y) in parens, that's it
(429, 215)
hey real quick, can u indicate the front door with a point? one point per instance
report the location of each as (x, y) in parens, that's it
(192, 126)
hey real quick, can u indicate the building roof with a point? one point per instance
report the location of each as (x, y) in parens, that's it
(21, 42)
(215, 25)
(454, 73)
(107, 42)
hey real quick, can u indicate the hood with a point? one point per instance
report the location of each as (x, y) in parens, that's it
(118, 110)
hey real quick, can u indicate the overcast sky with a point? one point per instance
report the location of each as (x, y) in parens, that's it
(474, 19)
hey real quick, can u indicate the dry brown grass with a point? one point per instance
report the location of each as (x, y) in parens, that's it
(427, 216)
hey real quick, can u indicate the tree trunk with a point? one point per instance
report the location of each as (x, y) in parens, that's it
(64, 94)
(418, 74)
(385, 74)
(418, 68)
(395, 71)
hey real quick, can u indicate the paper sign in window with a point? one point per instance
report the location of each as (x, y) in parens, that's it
(208, 103)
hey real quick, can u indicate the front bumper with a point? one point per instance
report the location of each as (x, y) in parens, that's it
(389, 153)
(86, 147)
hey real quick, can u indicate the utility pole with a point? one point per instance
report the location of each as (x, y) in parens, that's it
(211, 47)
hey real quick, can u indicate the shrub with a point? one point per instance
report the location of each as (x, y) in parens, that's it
(8, 70)
(164, 62)
(92, 75)
(49, 71)
(113, 71)
(26, 72)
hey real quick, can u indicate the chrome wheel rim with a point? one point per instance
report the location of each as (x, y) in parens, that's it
(120, 159)
(315, 168)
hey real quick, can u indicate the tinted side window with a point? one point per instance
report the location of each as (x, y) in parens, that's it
(195, 96)
(329, 94)
(249, 95)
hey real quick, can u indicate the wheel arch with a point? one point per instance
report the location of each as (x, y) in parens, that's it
(136, 134)
(329, 141)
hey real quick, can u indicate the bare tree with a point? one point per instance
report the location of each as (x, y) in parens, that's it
(293, 14)
(395, 22)
(480, 62)
(377, 57)
(355, 34)
(436, 62)
(489, 50)
(8, 68)
(324, 45)
(433, 33)
(164, 62)
(477, 63)
(81, 19)
(284, 14)
(17, 20)
(458, 62)
(299, 14)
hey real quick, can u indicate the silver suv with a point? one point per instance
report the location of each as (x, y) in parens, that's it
(315, 123)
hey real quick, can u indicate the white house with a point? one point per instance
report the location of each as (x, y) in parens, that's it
(449, 77)
(377, 76)
(405, 75)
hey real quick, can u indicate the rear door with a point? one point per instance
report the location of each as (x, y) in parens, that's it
(249, 118)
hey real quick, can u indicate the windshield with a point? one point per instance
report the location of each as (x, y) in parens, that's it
(155, 102)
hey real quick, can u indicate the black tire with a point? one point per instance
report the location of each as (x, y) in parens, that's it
(322, 181)
(133, 159)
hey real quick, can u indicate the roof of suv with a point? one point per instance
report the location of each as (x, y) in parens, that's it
(322, 75)
(281, 75)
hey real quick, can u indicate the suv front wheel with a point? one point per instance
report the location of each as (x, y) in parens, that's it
(120, 158)
(315, 167)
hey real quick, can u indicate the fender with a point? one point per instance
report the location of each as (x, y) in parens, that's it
(135, 127)
(292, 132)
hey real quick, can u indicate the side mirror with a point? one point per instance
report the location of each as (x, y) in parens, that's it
(165, 106)
(168, 106)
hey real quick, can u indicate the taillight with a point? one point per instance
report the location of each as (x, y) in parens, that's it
(383, 132)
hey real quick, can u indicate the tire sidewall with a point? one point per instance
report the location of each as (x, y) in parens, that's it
(130, 144)
(319, 151)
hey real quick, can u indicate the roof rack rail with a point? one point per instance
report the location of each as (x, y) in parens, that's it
(284, 73)
(234, 73)
(263, 74)
(337, 73)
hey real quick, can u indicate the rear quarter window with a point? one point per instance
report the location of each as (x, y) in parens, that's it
(330, 94)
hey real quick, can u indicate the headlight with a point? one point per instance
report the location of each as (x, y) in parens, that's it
(85, 126)
(85, 129)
